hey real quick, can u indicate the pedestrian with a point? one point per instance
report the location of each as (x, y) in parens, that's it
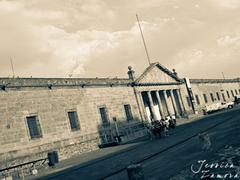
(159, 128)
(165, 127)
(172, 122)
(167, 121)
(149, 128)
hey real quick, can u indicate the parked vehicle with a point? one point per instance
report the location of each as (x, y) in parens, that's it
(211, 108)
(227, 105)
(217, 106)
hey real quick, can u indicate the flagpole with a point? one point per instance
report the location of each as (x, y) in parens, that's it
(12, 67)
(144, 43)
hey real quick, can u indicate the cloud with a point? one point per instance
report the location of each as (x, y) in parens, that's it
(228, 3)
(101, 37)
(197, 6)
(69, 51)
(229, 41)
(207, 63)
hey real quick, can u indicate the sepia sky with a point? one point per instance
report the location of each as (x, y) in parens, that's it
(101, 38)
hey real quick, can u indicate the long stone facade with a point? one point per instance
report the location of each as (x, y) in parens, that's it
(76, 115)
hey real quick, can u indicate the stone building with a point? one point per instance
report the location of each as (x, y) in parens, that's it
(76, 115)
(208, 91)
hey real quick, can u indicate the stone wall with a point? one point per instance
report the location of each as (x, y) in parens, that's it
(37, 156)
(51, 107)
(213, 87)
(51, 99)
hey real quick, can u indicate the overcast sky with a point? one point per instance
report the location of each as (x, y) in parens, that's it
(100, 38)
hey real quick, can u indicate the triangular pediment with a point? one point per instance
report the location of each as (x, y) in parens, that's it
(156, 73)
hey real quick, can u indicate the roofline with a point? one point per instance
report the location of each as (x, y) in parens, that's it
(199, 81)
(62, 82)
(160, 66)
(158, 84)
(61, 78)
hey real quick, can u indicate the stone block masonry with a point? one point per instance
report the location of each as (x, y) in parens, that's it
(51, 106)
(38, 115)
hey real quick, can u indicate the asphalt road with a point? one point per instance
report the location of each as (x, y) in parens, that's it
(174, 155)
(169, 163)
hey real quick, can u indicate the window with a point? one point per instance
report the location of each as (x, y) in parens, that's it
(212, 97)
(104, 115)
(218, 96)
(228, 95)
(188, 101)
(205, 98)
(73, 120)
(128, 112)
(34, 127)
(223, 96)
(197, 99)
(232, 93)
(236, 92)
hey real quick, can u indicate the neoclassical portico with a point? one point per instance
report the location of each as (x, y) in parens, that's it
(159, 93)
(158, 104)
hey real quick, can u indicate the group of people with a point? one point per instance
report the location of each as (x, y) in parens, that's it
(159, 128)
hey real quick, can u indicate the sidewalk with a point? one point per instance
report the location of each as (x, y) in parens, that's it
(192, 118)
(90, 158)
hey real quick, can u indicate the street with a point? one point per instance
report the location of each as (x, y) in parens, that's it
(163, 158)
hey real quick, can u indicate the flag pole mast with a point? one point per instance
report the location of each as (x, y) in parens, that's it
(12, 67)
(144, 43)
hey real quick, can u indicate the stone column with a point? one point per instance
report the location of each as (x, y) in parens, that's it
(166, 100)
(151, 105)
(181, 101)
(159, 104)
(174, 103)
(142, 105)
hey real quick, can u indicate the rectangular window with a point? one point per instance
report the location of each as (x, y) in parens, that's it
(228, 95)
(212, 97)
(197, 99)
(232, 93)
(128, 112)
(34, 127)
(73, 120)
(205, 98)
(223, 96)
(236, 92)
(104, 115)
(218, 96)
(188, 101)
